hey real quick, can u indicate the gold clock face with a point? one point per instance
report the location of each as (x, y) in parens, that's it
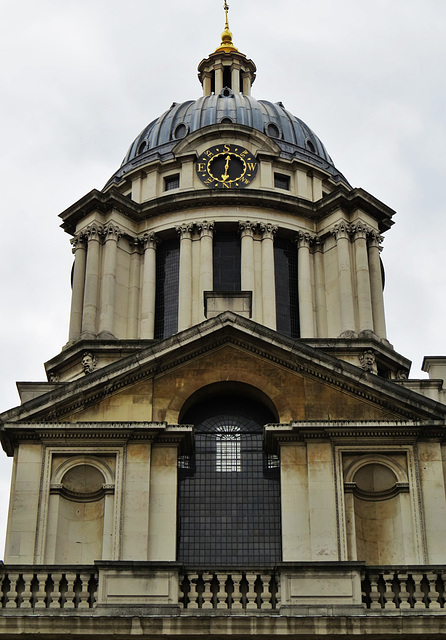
(226, 166)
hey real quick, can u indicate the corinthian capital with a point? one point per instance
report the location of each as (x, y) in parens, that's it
(247, 228)
(360, 230)
(149, 240)
(375, 239)
(303, 239)
(112, 232)
(78, 242)
(185, 230)
(206, 228)
(268, 230)
(94, 231)
(342, 230)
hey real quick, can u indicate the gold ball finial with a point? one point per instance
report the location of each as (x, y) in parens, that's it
(226, 36)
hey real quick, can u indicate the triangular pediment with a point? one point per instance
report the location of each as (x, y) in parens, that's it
(303, 382)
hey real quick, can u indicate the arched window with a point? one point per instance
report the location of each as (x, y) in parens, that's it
(229, 490)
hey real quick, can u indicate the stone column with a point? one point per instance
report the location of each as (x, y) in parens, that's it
(134, 278)
(268, 282)
(112, 233)
(247, 229)
(376, 285)
(207, 83)
(77, 294)
(235, 77)
(93, 234)
(305, 287)
(185, 284)
(218, 78)
(246, 80)
(363, 277)
(342, 235)
(206, 230)
(319, 288)
(147, 330)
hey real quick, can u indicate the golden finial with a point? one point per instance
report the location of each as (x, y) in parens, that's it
(226, 36)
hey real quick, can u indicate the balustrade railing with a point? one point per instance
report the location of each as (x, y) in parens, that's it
(393, 588)
(37, 589)
(240, 590)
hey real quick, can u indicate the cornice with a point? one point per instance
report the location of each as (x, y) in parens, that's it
(340, 199)
(108, 433)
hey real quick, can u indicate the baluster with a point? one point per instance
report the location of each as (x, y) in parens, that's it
(376, 591)
(237, 604)
(70, 594)
(251, 595)
(12, 593)
(433, 594)
(207, 602)
(41, 591)
(27, 594)
(418, 594)
(83, 593)
(193, 594)
(390, 595)
(404, 593)
(272, 585)
(55, 594)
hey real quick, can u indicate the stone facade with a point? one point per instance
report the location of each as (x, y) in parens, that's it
(257, 314)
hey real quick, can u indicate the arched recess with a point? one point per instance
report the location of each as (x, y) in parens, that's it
(229, 489)
(82, 497)
(378, 510)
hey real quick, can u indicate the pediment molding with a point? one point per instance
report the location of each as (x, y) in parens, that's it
(226, 329)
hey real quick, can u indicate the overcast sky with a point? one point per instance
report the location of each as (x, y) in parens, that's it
(80, 79)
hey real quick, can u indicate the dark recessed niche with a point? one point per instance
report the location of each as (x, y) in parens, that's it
(226, 121)
(180, 131)
(310, 146)
(142, 147)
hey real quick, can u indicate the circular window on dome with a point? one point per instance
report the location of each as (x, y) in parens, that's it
(310, 146)
(181, 131)
(226, 121)
(272, 130)
(142, 147)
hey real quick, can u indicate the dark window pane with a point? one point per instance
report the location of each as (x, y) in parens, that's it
(227, 261)
(287, 301)
(281, 182)
(167, 280)
(229, 495)
(172, 182)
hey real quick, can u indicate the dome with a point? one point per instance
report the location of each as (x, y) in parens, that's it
(292, 135)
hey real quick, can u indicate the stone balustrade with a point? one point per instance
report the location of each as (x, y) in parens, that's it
(418, 587)
(238, 590)
(285, 588)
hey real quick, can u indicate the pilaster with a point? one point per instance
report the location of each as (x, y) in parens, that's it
(268, 232)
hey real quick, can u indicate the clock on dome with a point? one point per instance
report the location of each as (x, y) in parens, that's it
(227, 166)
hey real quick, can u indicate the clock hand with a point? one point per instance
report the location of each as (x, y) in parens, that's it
(225, 175)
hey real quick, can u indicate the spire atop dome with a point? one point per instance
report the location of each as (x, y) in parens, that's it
(226, 36)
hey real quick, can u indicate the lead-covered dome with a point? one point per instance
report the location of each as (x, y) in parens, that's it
(292, 135)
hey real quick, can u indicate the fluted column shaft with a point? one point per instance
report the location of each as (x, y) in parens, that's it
(77, 294)
(268, 280)
(185, 283)
(363, 278)
(206, 261)
(93, 234)
(342, 232)
(305, 288)
(376, 285)
(108, 284)
(148, 287)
